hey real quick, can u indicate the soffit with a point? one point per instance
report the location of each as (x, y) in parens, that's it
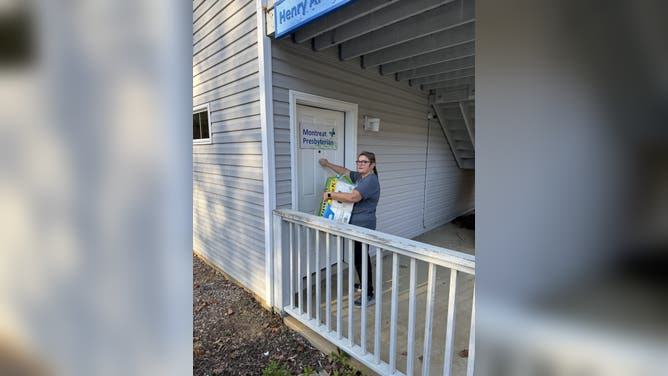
(429, 44)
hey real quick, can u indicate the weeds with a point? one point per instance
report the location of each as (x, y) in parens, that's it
(273, 369)
(340, 366)
(343, 366)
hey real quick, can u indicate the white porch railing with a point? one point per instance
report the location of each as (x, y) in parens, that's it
(308, 246)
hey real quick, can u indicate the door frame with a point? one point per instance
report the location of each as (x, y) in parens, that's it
(350, 127)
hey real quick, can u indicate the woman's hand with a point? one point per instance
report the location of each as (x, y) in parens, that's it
(336, 168)
(353, 196)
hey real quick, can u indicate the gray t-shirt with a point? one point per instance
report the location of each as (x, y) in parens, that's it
(364, 211)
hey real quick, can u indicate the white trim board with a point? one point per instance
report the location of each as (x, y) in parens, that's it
(268, 156)
(350, 126)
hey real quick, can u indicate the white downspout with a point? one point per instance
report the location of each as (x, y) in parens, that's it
(268, 158)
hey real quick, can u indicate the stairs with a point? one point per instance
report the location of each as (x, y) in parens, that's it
(458, 123)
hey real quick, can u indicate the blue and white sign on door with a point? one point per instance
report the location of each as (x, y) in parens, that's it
(316, 136)
(291, 14)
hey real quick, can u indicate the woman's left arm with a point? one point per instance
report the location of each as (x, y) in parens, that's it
(353, 196)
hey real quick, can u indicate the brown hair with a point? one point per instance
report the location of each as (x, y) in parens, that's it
(372, 159)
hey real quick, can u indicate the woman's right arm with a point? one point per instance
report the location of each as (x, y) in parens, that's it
(336, 168)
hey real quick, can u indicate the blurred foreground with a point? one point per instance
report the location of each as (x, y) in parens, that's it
(571, 187)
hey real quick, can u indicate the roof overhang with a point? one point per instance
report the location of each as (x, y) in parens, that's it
(429, 44)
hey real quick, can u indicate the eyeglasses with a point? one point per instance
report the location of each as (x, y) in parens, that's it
(362, 162)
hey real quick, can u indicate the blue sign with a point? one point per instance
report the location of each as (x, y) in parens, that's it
(291, 14)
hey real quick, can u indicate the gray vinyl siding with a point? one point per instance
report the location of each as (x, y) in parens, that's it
(228, 221)
(400, 146)
(448, 189)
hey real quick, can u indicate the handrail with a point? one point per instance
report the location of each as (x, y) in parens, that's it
(430, 253)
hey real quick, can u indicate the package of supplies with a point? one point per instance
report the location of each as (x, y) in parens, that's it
(336, 210)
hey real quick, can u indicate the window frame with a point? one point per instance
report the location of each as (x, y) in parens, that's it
(197, 109)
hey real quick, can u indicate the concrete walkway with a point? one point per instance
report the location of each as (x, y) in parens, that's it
(450, 236)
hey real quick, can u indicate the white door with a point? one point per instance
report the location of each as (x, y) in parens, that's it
(320, 134)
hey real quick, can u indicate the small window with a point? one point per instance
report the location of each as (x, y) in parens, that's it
(201, 125)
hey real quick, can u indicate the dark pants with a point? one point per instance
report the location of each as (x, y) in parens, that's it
(358, 267)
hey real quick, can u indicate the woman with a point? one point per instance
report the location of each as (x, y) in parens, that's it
(365, 196)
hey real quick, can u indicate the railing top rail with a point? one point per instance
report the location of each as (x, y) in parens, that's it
(420, 251)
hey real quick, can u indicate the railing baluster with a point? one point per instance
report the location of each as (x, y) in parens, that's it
(450, 328)
(393, 312)
(429, 319)
(471, 359)
(317, 276)
(328, 285)
(339, 286)
(299, 269)
(379, 304)
(302, 267)
(365, 288)
(411, 319)
(351, 294)
(308, 273)
(292, 267)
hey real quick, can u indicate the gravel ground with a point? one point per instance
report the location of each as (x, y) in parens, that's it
(234, 335)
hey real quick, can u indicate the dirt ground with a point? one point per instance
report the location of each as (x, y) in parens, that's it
(234, 335)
